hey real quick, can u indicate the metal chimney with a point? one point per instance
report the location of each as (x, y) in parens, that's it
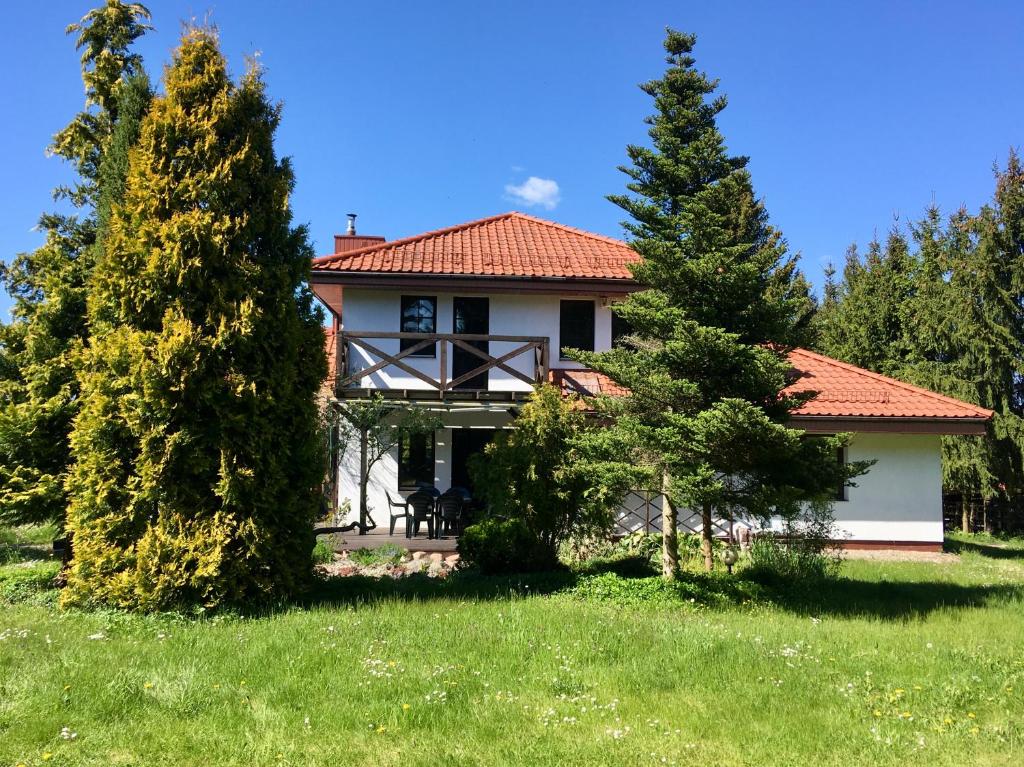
(351, 231)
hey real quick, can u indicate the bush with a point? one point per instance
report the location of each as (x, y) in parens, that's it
(29, 582)
(323, 553)
(388, 554)
(551, 471)
(793, 560)
(501, 546)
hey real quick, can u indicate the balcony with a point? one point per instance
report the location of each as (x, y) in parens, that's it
(439, 366)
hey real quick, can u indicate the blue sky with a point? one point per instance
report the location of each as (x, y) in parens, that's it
(419, 115)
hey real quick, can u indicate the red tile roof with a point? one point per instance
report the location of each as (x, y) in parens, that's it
(844, 391)
(510, 245)
(586, 383)
(847, 391)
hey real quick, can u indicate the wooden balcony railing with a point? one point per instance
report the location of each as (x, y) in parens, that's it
(349, 377)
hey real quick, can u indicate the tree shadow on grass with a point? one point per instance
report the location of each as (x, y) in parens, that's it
(989, 550)
(634, 583)
(890, 600)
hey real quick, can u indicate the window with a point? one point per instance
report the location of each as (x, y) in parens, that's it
(415, 460)
(620, 328)
(841, 494)
(576, 326)
(419, 315)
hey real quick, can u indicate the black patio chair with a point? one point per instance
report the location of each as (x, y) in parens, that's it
(404, 514)
(428, 488)
(449, 514)
(421, 504)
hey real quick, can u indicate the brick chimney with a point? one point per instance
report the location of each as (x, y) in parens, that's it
(343, 243)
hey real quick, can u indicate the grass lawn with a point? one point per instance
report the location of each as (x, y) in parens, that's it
(893, 663)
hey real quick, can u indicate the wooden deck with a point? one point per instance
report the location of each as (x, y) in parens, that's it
(380, 537)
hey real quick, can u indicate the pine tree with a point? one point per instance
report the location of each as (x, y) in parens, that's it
(38, 386)
(707, 360)
(864, 319)
(197, 455)
(948, 315)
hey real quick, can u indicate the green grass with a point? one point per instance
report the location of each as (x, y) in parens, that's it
(892, 663)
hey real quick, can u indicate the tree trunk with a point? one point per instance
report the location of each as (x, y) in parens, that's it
(706, 536)
(985, 522)
(669, 534)
(965, 513)
(363, 478)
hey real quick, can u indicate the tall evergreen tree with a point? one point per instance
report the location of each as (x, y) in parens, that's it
(38, 388)
(707, 359)
(864, 319)
(198, 466)
(949, 315)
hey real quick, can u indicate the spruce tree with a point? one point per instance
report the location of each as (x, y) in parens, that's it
(948, 314)
(707, 359)
(197, 455)
(864, 319)
(38, 349)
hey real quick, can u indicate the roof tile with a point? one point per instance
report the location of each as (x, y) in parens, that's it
(510, 245)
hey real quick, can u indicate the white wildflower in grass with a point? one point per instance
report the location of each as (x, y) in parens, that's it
(67, 734)
(98, 635)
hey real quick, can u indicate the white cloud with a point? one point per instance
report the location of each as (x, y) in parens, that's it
(543, 192)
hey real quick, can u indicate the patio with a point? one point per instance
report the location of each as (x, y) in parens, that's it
(379, 537)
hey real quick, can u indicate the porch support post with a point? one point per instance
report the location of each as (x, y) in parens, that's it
(363, 479)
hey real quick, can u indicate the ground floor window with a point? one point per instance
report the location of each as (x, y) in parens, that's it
(842, 489)
(415, 460)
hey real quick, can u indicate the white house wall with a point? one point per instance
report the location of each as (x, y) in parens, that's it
(511, 314)
(384, 474)
(899, 500)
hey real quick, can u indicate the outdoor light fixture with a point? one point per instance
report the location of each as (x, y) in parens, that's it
(730, 557)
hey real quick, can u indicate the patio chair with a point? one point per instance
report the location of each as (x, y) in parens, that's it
(449, 514)
(422, 508)
(403, 514)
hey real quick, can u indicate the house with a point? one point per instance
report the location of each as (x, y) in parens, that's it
(465, 321)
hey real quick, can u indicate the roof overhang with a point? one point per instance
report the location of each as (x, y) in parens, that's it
(474, 283)
(819, 424)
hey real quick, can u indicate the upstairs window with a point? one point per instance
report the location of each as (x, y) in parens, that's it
(576, 327)
(415, 460)
(419, 315)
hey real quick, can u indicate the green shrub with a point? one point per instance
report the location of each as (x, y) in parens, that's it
(29, 582)
(323, 552)
(388, 554)
(640, 544)
(501, 546)
(550, 470)
(776, 561)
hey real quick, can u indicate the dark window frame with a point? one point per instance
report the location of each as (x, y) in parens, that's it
(575, 334)
(407, 475)
(620, 328)
(842, 491)
(405, 343)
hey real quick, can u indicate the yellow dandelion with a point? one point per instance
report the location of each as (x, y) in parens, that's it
(67, 687)
(975, 730)
(148, 685)
(381, 730)
(877, 712)
(47, 756)
(971, 715)
(406, 707)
